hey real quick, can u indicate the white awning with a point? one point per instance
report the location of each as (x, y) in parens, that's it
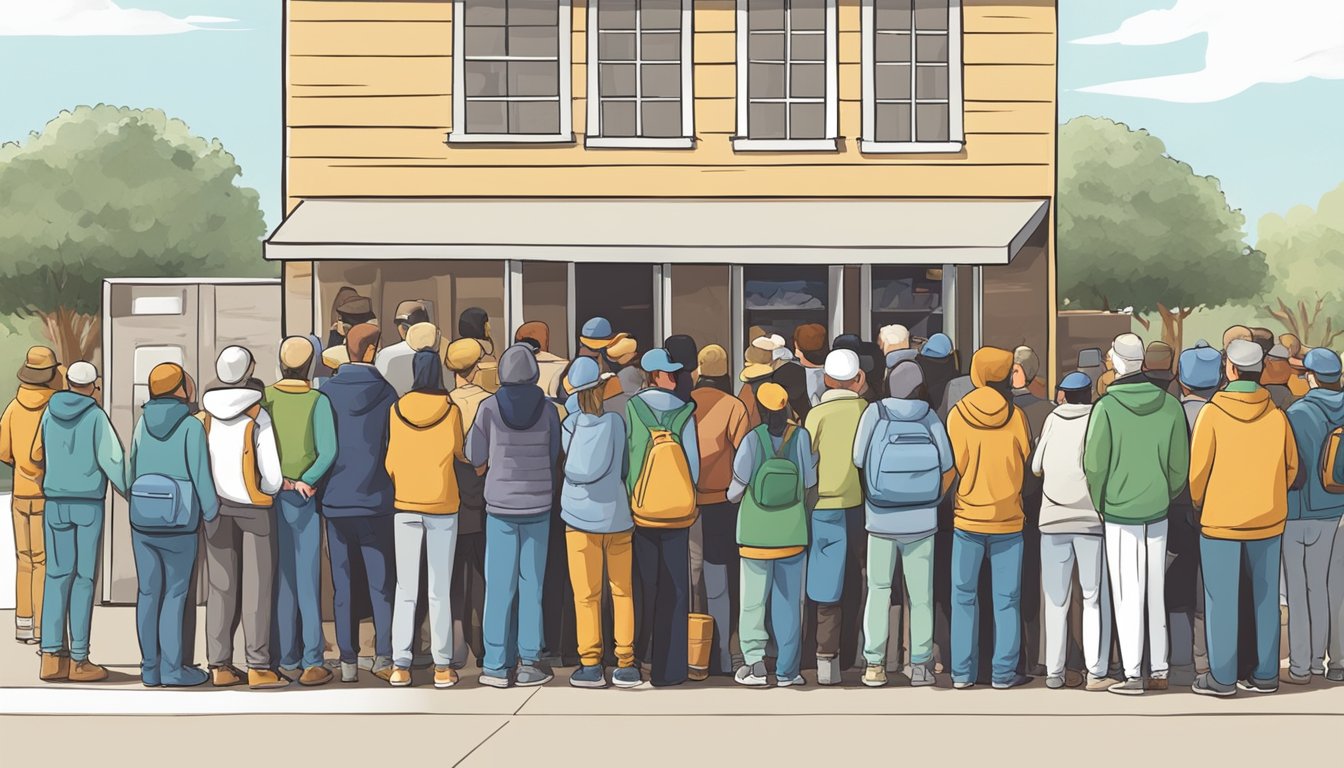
(660, 230)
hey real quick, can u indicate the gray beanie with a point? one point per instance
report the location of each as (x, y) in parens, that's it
(518, 365)
(904, 380)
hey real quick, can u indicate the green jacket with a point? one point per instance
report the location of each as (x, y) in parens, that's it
(305, 429)
(1137, 453)
(833, 424)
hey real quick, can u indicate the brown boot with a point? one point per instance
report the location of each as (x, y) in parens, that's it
(314, 676)
(87, 672)
(55, 667)
(225, 677)
(262, 679)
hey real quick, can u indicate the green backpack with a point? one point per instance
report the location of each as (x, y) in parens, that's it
(774, 511)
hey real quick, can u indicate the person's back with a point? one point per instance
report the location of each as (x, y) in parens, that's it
(245, 475)
(18, 430)
(303, 422)
(1137, 453)
(594, 498)
(394, 365)
(1313, 418)
(516, 433)
(165, 443)
(1066, 506)
(720, 425)
(424, 440)
(358, 484)
(991, 441)
(832, 425)
(75, 429)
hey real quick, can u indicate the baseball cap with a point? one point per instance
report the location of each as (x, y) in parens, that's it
(1246, 355)
(596, 333)
(584, 374)
(842, 365)
(1324, 363)
(658, 360)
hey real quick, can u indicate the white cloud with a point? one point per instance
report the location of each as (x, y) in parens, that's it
(1249, 42)
(90, 18)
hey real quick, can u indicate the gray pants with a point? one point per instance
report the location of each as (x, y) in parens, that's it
(240, 560)
(1313, 570)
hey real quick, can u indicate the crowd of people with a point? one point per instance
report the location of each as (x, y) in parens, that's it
(684, 524)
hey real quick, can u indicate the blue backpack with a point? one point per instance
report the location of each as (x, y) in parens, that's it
(163, 504)
(902, 467)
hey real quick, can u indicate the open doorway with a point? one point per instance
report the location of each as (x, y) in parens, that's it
(622, 293)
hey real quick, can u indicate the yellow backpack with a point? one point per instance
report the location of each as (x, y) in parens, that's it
(663, 494)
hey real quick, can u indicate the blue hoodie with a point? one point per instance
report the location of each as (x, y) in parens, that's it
(77, 431)
(1312, 418)
(358, 484)
(160, 447)
(903, 522)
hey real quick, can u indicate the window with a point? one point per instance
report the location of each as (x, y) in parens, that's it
(779, 299)
(511, 65)
(639, 74)
(912, 76)
(786, 75)
(910, 296)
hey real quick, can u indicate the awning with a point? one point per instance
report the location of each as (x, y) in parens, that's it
(660, 230)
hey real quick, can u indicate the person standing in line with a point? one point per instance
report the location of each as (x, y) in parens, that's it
(515, 440)
(551, 367)
(1136, 457)
(394, 362)
(305, 436)
(474, 323)
(79, 432)
(757, 369)
(774, 479)
(1071, 534)
(468, 590)
(938, 365)
(1026, 364)
(1158, 359)
(1276, 376)
(810, 349)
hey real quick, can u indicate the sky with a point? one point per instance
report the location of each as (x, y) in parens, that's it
(1244, 90)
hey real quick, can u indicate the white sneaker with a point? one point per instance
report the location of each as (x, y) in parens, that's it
(828, 670)
(753, 675)
(349, 672)
(796, 681)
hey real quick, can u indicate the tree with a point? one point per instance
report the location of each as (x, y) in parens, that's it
(1139, 228)
(1306, 257)
(116, 192)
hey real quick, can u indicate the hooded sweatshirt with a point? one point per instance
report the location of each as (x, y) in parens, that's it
(1313, 418)
(75, 429)
(424, 439)
(167, 441)
(237, 480)
(358, 485)
(1137, 452)
(18, 433)
(517, 435)
(909, 523)
(1066, 506)
(1243, 458)
(937, 371)
(593, 498)
(990, 445)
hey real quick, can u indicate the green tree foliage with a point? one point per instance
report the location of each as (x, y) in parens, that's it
(115, 192)
(1305, 248)
(1138, 228)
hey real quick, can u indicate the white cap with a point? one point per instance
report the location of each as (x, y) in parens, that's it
(842, 365)
(769, 343)
(1246, 355)
(81, 374)
(1128, 346)
(233, 365)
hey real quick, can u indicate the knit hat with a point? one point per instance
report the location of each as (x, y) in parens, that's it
(233, 365)
(1246, 355)
(81, 374)
(518, 365)
(713, 361)
(422, 336)
(165, 379)
(1128, 346)
(842, 365)
(772, 396)
(296, 353)
(1158, 356)
(1201, 366)
(937, 347)
(463, 355)
(1324, 363)
(537, 331)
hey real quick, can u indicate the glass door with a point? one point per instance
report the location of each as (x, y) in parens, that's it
(622, 293)
(780, 298)
(909, 296)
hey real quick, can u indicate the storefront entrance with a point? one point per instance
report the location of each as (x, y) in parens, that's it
(622, 293)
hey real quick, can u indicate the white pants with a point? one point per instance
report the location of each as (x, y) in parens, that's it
(1313, 570)
(418, 537)
(1136, 558)
(1059, 553)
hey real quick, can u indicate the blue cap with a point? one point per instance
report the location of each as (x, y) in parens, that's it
(658, 360)
(1324, 363)
(1201, 366)
(584, 374)
(1076, 382)
(597, 328)
(937, 347)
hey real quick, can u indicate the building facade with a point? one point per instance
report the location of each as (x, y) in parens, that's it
(679, 166)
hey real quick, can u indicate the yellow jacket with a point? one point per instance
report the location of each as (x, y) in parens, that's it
(18, 433)
(990, 447)
(424, 438)
(1242, 459)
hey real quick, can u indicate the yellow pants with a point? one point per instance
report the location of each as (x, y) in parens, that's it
(31, 553)
(587, 553)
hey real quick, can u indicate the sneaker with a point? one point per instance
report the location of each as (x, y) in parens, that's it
(24, 632)
(1335, 675)
(627, 677)
(1095, 683)
(828, 670)
(962, 685)
(494, 681)
(349, 672)
(1255, 686)
(400, 677)
(875, 675)
(921, 676)
(444, 677)
(589, 676)
(530, 675)
(1130, 687)
(1205, 685)
(789, 682)
(1054, 682)
(753, 675)
(1013, 682)
(1287, 676)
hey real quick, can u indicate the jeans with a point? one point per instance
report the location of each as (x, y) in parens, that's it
(1059, 553)
(468, 597)
(969, 551)
(825, 577)
(515, 564)
(777, 584)
(1312, 557)
(73, 535)
(163, 566)
(240, 573)
(1222, 561)
(433, 539)
(298, 610)
(722, 577)
(915, 559)
(663, 560)
(371, 536)
(1136, 561)
(590, 554)
(30, 557)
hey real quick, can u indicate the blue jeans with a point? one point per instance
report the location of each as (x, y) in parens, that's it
(778, 584)
(826, 556)
(1004, 551)
(372, 537)
(515, 561)
(298, 609)
(73, 531)
(1221, 560)
(163, 564)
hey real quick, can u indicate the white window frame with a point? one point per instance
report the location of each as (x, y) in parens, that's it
(594, 138)
(956, 106)
(459, 135)
(831, 142)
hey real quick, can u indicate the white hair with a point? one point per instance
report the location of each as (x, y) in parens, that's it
(1124, 367)
(894, 337)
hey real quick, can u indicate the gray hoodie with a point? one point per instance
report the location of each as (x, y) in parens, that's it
(1066, 506)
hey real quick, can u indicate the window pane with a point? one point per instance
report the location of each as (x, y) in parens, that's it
(892, 48)
(765, 121)
(485, 78)
(807, 14)
(616, 79)
(534, 117)
(931, 82)
(615, 14)
(893, 122)
(931, 123)
(660, 14)
(930, 14)
(660, 80)
(662, 46)
(662, 119)
(484, 41)
(765, 14)
(538, 12)
(482, 12)
(932, 48)
(807, 121)
(765, 46)
(616, 46)
(765, 81)
(534, 78)
(618, 118)
(892, 81)
(534, 41)
(808, 48)
(893, 14)
(808, 82)
(487, 117)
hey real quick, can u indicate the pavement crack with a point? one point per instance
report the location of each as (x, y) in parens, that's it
(463, 759)
(534, 692)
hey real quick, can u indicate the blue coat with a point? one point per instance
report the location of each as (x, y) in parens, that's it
(87, 452)
(162, 447)
(1312, 418)
(358, 484)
